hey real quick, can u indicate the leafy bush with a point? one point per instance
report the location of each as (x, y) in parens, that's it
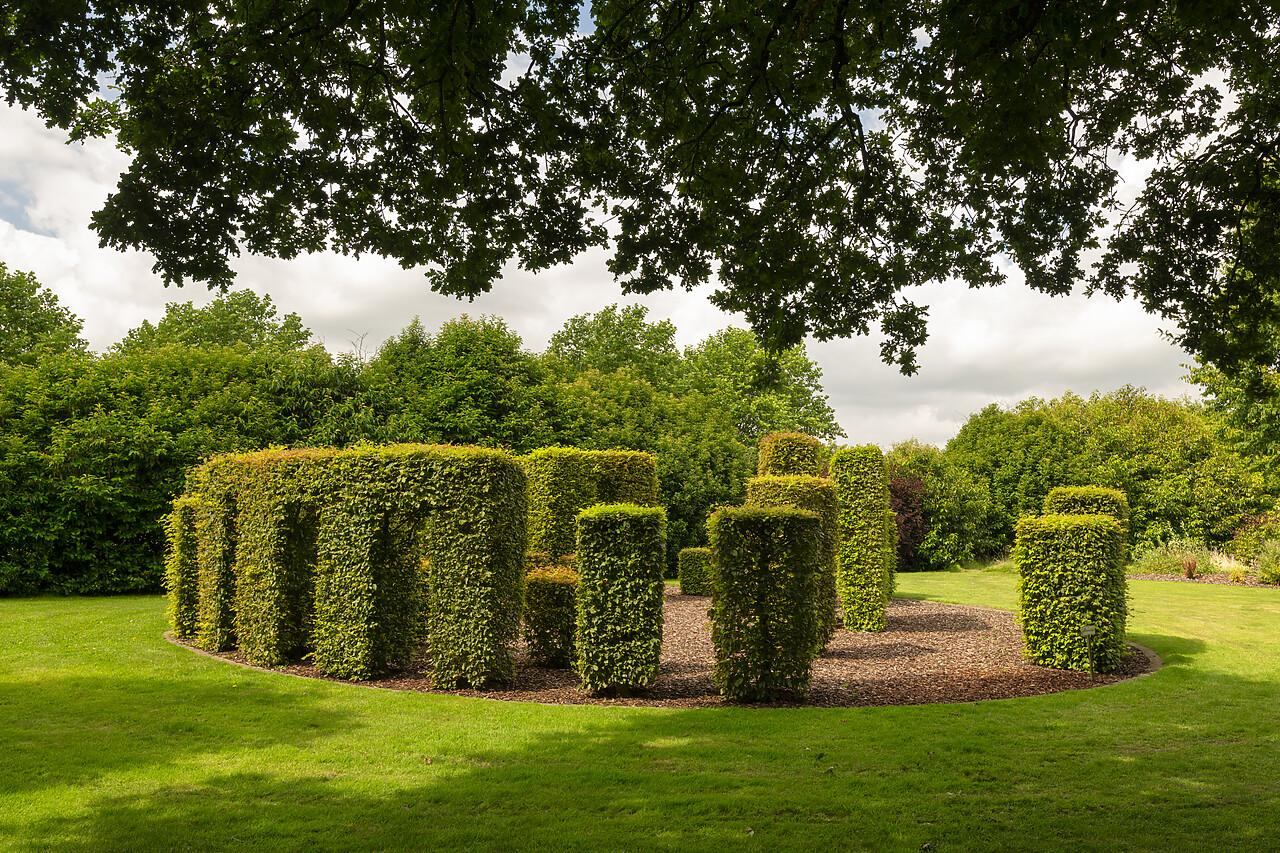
(1266, 563)
(1168, 558)
(695, 572)
(1255, 530)
(550, 614)
(958, 516)
(621, 556)
(865, 555)
(818, 496)
(764, 622)
(784, 454)
(1071, 570)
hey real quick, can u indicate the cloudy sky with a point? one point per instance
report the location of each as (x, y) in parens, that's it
(997, 345)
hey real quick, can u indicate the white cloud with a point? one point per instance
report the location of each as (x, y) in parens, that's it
(997, 345)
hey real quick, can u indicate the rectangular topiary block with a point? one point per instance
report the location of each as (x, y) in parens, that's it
(789, 454)
(764, 623)
(551, 615)
(621, 557)
(867, 540)
(563, 481)
(1071, 570)
(693, 569)
(817, 496)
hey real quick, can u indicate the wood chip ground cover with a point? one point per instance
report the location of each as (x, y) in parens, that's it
(929, 653)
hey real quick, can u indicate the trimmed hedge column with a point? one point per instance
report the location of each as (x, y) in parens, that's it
(766, 630)
(215, 568)
(788, 454)
(1072, 574)
(563, 481)
(865, 556)
(1089, 500)
(181, 565)
(621, 557)
(551, 615)
(693, 569)
(817, 496)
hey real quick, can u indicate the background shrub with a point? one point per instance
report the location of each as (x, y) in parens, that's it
(695, 572)
(784, 454)
(863, 557)
(621, 556)
(1266, 562)
(764, 620)
(1071, 570)
(818, 496)
(906, 499)
(1251, 535)
(550, 615)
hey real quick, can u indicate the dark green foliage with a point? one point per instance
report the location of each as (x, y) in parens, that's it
(374, 537)
(734, 144)
(181, 567)
(1089, 500)
(551, 615)
(621, 557)
(764, 620)
(1168, 457)
(867, 536)
(960, 522)
(563, 481)
(818, 496)
(1071, 570)
(694, 571)
(784, 454)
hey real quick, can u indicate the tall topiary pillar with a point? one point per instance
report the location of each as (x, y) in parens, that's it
(621, 557)
(864, 556)
(786, 454)
(766, 630)
(1071, 570)
(818, 496)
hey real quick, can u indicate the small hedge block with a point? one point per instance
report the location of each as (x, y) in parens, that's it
(1071, 570)
(1089, 500)
(815, 495)
(181, 567)
(693, 569)
(550, 615)
(867, 538)
(764, 625)
(563, 481)
(787, 454)
(621, 557)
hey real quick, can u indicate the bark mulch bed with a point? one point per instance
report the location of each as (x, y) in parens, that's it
(929, 653)
(1212, 577)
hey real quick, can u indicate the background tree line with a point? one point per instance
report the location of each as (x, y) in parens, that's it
(94, 446)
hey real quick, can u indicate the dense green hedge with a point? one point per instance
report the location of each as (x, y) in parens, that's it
(1088, 500)
(345, 552)
(784, 454)
(694, 571)
(764, 620)
(551, 614)
(866, 553)
(563, 481)
(1071, 570)
(621, 557)
(815, 495)
(181, 565)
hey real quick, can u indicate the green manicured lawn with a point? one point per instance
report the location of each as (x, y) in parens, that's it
(112, 739)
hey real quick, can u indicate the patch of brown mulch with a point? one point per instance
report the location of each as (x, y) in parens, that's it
(1212, 577)
(929, 653)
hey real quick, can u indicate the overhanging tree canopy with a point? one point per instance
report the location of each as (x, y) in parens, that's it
(819, 157)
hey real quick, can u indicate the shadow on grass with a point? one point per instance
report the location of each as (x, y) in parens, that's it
(71, 730)
(1073, 771)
